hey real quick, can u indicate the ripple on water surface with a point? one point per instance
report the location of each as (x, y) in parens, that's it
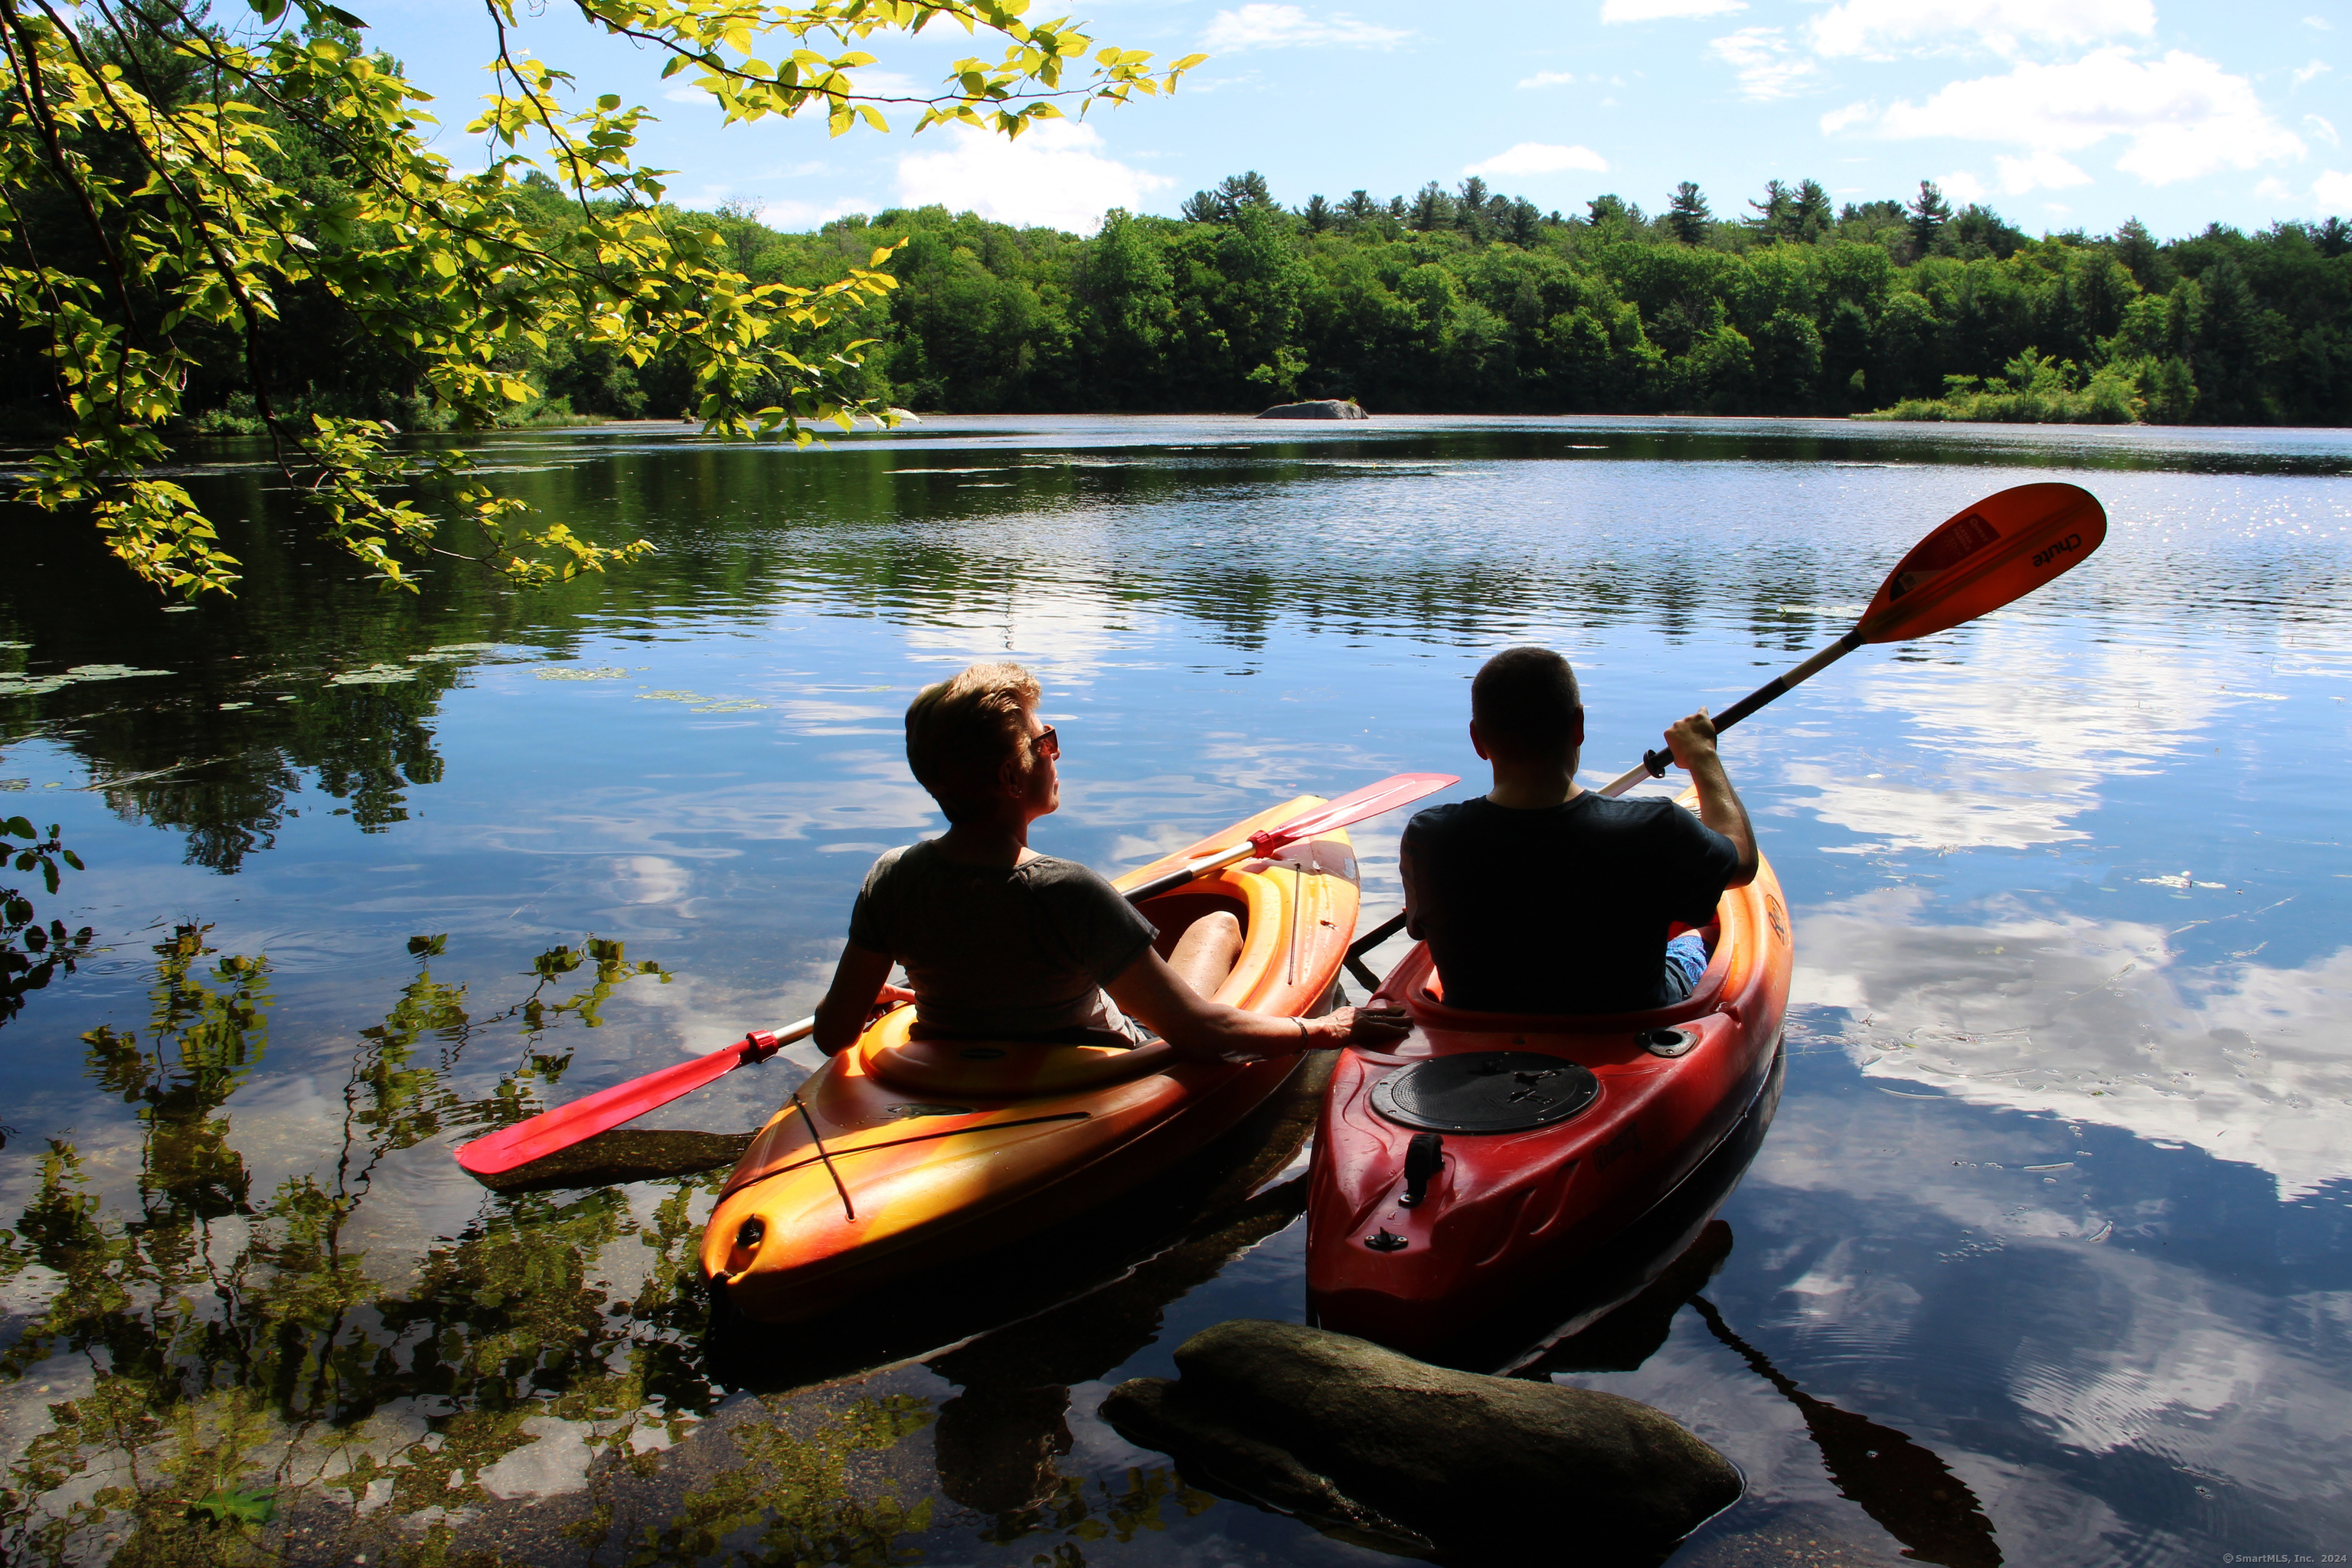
(2044, 1260)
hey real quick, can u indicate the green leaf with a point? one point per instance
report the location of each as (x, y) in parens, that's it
(18, 828)
(223, 1506)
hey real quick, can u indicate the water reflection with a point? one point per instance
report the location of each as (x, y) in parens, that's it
(2056, 1190)
(2107, 1023)
(224, 1339)
(1906, 1488)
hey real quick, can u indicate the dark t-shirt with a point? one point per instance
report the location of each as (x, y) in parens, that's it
(1563, 908)
(1016, 951)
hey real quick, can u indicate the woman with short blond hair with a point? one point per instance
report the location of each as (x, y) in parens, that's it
(1002, 943)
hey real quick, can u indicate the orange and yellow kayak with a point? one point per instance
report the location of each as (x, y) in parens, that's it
(899, 1154)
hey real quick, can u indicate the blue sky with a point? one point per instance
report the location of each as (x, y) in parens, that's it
(2059, 113)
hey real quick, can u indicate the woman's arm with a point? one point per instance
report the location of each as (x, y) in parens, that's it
(857, 980)
(1200, 1029)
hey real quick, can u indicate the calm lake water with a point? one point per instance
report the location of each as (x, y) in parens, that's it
(2047, 1258)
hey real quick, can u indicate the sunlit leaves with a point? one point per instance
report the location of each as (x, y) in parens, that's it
(446, 266)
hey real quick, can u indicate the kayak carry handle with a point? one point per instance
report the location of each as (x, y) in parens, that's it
(1424, 1158)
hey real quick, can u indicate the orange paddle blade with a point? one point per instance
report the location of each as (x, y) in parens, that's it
(1357, 805)
(2001, 549)
(600, 1112)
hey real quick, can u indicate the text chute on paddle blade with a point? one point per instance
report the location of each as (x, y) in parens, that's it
(1998, 550)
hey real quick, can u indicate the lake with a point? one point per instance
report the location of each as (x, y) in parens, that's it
(2047, 1258)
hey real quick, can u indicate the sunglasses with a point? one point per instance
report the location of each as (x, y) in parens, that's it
(1048, 744)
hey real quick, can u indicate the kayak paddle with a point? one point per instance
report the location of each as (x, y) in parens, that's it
(608, 1107)
(565, 1125)
(1997, 551)
(1401, 789)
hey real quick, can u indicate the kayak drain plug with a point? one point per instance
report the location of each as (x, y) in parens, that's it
(1424, 1158)
(1385, 1240)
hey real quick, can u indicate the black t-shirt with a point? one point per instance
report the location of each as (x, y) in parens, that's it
(1563, 908)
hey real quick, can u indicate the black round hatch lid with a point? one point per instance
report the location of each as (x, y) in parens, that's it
(1486, 1091)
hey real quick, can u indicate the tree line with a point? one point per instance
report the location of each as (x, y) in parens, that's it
(1468, 300)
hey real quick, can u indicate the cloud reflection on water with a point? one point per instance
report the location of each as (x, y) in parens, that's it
(2094, 1021)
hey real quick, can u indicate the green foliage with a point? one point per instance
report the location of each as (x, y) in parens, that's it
(1469, 300)
(191, 211)
(31, 954)
(2033, 390)
(242, 1344)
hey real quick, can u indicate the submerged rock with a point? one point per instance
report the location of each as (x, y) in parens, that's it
(1322, 408)
(1373, 1445)
(622, 1155)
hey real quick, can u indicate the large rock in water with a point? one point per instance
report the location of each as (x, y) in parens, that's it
(1376, 1446)
(1324, 408)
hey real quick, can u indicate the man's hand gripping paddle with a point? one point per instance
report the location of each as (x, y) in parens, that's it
(1994, 553)
(581, 1119)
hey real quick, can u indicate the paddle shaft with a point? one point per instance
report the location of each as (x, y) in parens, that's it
(1653, 765)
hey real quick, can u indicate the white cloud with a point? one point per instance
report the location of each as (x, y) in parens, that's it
(2273, 189)
(1539, 158)
(1837, 120)
(1961, 187)
(2322, 23)
(2040, 171)
(1548, 78)
(2311, 72)
(1054, 176)
(2183, 115)
(1882, 27)
(2333, 191)
(1263, 27)
(2322, 128)
(1667, 10)
(1767, 67)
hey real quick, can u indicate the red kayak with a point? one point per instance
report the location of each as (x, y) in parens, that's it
(1488, 1152)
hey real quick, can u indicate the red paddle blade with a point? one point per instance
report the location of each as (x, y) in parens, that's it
(600, 1112)
(1999, 550)
(1401, 789)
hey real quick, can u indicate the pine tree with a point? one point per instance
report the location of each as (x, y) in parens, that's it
(1687, 216)
(1812, 212)
(1929, 213)
(1775, 213)
(1470, 208)
(1359, 208)
(1317, 213)
(1432, 209)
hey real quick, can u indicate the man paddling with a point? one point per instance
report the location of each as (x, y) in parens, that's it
(1002, 943)
(1544, 897)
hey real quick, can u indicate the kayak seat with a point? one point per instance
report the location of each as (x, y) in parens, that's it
(997, 1069)
(1428, 1001)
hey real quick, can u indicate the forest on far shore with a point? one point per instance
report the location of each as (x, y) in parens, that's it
(1470, 301)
